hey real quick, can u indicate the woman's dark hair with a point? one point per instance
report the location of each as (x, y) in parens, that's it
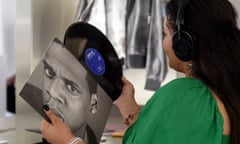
(217, 56)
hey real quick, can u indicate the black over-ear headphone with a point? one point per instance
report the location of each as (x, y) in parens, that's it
(183, 40)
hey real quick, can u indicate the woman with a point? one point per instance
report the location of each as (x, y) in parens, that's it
(202, 41)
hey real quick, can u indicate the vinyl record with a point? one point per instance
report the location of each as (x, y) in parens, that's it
(95, 52)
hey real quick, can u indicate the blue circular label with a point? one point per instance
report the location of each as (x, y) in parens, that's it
(95, 61)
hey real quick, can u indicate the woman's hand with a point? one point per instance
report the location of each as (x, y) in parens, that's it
(56, 132)
(126, 101)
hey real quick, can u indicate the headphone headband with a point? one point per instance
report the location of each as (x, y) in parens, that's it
(180, 13)
(183, 40)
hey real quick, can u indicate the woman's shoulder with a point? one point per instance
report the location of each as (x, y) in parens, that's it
(183, 82)
(185, 95)
(182, 92)
(183, 87)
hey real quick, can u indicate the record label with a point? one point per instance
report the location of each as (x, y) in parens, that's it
(95, 61)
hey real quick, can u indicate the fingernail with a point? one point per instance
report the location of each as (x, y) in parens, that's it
(46, 107)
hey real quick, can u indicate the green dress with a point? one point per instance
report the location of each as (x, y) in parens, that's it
(181, 112)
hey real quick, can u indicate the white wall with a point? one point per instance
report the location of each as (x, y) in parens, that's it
(7, 47)
(138, 77)
(2, 66)
(9, 19)
(23, 48)
(236, 4)
(2, 85)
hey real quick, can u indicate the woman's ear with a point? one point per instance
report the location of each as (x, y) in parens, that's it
(94, 103)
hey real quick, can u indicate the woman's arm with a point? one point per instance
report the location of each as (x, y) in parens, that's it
(57, 132)
(127, 104)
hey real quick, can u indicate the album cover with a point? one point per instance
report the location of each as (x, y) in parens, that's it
(63, 83)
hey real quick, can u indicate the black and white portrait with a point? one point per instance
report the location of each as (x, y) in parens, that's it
(62, 83)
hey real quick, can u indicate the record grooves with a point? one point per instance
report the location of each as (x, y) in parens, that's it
(95, 52)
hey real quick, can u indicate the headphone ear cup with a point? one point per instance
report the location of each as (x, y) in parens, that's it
(183, 45)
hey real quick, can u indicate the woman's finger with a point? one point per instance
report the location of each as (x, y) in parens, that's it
(51, 115)
(44, 125)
